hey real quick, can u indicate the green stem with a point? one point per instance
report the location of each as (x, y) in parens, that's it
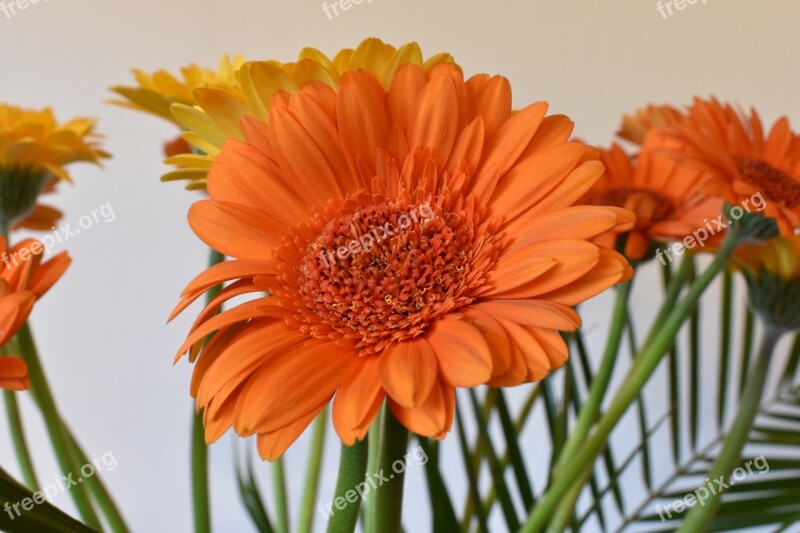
(200, 493)
(96, 487)
(648, 359)
(389, 496)
(352, 466)
(701, 516)
(55, 428)
(312, 478)
(281, 501)
(201, 498)
(591, 409)
(372, 467)
(17, 432)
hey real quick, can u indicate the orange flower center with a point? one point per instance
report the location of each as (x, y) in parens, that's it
(649, 206)
(773, 181)
(380, 273)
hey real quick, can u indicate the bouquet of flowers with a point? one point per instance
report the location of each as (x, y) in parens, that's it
(397, 251)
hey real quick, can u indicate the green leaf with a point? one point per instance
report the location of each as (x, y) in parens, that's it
(444, 516)
(251, 496)
(41, 517)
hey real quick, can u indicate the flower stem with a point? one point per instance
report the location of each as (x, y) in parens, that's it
(372, 466)
(55, 427)
(352, 465)
(700, 516)
(199, 449)
(389, 497)
(96, 487)
(200, 495)
(591, 409)
(647, 360)
(18, 438)
(281, 502)
(312, 478)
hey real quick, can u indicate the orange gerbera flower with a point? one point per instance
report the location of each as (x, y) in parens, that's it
(662, 193)
(413, 238)
(23, 279)
(741, 162)
(636, 126)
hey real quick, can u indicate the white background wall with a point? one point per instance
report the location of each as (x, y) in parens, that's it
(102, 330)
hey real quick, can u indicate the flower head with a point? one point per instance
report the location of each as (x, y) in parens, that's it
(772, 270)
(35, 142)
(663, 194)
(413, 234)
(34, 152)
(156, 92)
(219, 114)
(636, 126)
(741, 161)
(24, 278)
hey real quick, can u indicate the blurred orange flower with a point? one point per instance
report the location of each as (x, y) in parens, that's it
(23, 279)
(636, 126)
(741, 161)
(663, 194)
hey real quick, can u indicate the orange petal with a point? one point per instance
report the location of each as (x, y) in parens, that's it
(435, 119)
(504, 147)
(535, 313)
(358, 401)
(612, 268)
(572, 258)
(408, 371)
(291, 385)
(273, 444)
(463, 354)
(434, 418)
(229, 234)
(363, 124)
(403, 94)
(493, 335)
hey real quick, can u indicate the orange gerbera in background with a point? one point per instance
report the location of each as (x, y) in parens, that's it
(741, 161)
(637, 125)
(23, 279)
(477, 254)
(663, 193)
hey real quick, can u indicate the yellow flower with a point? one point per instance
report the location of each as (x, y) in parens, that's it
(156, 92)
(220, 109)
(772, 271)
(34, 141)
(779, 256)
(34, 151)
